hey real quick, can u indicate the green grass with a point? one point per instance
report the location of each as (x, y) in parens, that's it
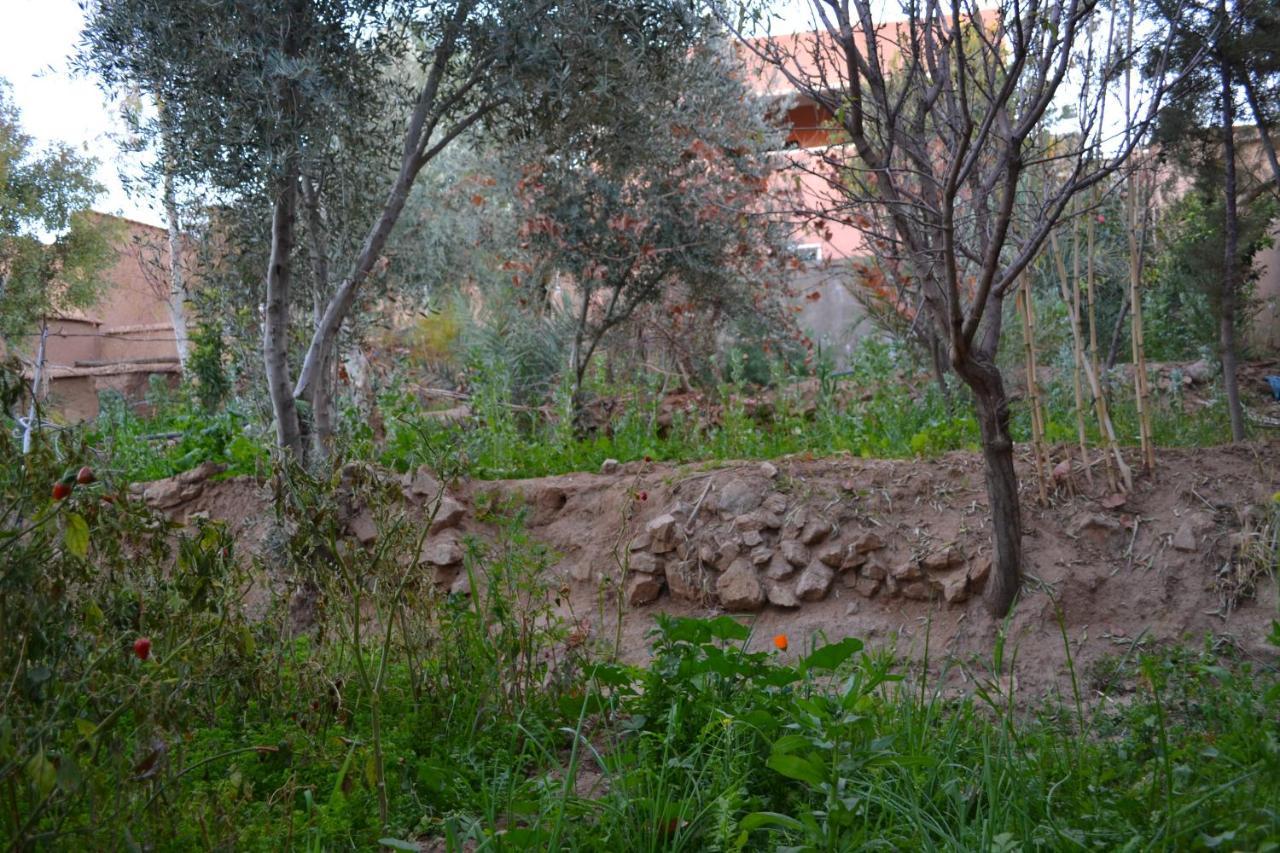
(397, 713)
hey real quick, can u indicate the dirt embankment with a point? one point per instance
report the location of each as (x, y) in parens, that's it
(894, 552)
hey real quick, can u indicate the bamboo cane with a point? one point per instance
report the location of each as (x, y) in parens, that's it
(1033, 391)
(1077, 347)
(1118, 474)
(1141, 386)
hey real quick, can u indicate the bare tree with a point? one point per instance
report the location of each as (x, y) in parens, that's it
(943, 119)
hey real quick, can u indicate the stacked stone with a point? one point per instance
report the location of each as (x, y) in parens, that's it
(751, 546)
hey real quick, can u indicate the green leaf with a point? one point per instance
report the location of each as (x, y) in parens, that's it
(76, 537)
(795, 767)
(831, 656)
(42, 774)
(397, 844)
(756, 820)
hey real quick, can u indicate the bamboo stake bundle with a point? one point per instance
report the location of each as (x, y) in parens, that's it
(1077, 345)
(1038, 450)
(1118, 474)
(1141, 391)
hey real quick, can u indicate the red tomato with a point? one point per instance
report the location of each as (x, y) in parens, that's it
(142, 647)
(61, 491)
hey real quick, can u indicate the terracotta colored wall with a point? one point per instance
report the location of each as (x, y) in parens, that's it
(133, 296)
(1264, 330)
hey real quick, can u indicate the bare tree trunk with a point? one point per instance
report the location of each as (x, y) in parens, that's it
(1231, 247)
(275, 326)
(37, 376)
(177, 301)
(992, 408)
(1260, 121)
(1113, 351)
(322, 391)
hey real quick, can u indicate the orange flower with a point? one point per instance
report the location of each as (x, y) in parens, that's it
(780, 642)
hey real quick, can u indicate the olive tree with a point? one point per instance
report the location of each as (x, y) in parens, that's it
(256, 91)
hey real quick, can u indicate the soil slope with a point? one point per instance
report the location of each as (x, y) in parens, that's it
(893, 552)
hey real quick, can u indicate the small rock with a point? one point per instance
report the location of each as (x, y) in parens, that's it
(775, 504)
(781, 595)
(643, 561)
(940, 561)
(815, 531)
(449, 514)
(442, 551)
(1096, 528)
(917, 591)
(738, 497)
(163, 494)
(738, 588)
(662, 533)
(728, 553)
(461, 584)
(681, 510)
(795, 553)
(779, 569)
(814, 582)
(761, 555)
(752, 538)
(852, 609)
(908, 571)
(954, 587)
(868, 542)
(1185, 537)
(686, 580)
(363, 528)
(643, 588)
(749, 521)
(769, 469)
(201, 472)
(875, 570)
(1114, 501)
(639, 542)
(424, 483)
(1199, 372)
(978, 571)
(580, 571)
(852, 559)
(609, 466)
(191, 492)
(832, 554)
(795, 523)
(866, 587)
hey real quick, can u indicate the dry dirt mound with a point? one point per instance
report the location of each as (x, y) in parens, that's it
(891, 551)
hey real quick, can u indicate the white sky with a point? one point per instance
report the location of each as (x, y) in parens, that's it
(36, 42)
